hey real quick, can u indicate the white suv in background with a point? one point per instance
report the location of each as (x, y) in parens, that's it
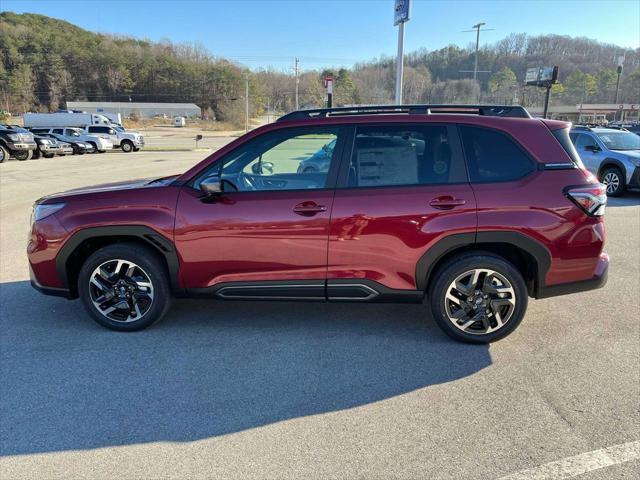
(100, 144)
(127, 141)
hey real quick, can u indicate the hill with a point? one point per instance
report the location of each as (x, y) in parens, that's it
(46, 61)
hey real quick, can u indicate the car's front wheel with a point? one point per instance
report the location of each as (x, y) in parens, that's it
(614, 181)
(478, 297)
(4, 154)
(126, 146)
(23, 155)
(124, 287)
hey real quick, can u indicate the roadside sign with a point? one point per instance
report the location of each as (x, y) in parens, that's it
(401, 12)
(328, 83)
(541, 76)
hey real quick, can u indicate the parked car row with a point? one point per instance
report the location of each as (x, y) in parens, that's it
(22, 144)
(86, 124)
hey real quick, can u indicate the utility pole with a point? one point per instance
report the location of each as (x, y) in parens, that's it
(295, 70)
(246, 105)
(475, 65)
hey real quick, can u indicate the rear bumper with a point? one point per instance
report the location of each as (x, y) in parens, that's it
(53, 291)
(597, 281)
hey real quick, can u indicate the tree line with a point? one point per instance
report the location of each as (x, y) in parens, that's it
(44, 62)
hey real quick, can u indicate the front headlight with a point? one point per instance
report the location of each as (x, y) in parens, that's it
(45, 141)
(43, 211)
(14, 137)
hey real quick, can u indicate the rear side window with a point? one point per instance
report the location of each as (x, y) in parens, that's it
(404, 155)
(493, 156)
(566, 140)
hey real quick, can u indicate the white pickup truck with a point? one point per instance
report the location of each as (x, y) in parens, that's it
(127, 141)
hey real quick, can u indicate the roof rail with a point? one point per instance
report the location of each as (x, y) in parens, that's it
(581, 127)
(487, 110)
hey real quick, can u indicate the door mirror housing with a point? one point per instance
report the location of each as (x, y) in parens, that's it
(211, 186)
(262, 168)
(592, 148)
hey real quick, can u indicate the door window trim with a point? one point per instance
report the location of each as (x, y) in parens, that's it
(332, 174)
(454, 142)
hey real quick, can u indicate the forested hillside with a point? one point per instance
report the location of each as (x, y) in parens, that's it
(45, 62)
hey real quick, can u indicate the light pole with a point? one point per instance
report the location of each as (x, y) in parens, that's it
(619, 72)
(246, 103)
(401, 14)
(295, 69)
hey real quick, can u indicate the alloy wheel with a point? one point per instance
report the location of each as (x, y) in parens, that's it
(612, 181)
(121, 290)
(480, 301)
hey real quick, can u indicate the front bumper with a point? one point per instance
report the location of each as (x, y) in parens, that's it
(53, 291)
(597, 281)
(22, 146)
(634, 181)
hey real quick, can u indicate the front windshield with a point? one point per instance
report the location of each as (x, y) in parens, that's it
(620, 140)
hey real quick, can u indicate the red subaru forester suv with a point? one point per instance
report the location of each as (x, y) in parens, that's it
(469, 209)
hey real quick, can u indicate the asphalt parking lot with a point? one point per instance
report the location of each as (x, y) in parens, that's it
(278, 390)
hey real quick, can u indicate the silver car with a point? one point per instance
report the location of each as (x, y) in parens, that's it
(610, 154)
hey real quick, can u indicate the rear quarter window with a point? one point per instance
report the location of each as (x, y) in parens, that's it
(493, 156)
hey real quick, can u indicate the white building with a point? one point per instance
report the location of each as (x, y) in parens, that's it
(145, 110)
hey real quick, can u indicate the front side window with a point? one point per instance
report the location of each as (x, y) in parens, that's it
(493, 157)
(404, 155)
(291, 159)
(57, 130)
(585, 142)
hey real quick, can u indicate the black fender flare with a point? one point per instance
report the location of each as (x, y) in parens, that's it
(430, 258)
(607, 162)
(155, 240)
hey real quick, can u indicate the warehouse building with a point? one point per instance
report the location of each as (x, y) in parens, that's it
(591, 112)
(143, 109)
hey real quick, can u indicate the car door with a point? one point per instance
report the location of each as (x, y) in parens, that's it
(402, 188)
(266, 233)
(590, 152)
(107, 133)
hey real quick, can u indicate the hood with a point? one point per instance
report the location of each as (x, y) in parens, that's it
(110, 187)
(635, 154)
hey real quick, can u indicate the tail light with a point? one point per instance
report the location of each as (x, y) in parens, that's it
(592, 199)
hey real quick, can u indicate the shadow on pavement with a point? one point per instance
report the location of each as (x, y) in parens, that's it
(209, 368)
(629, 199)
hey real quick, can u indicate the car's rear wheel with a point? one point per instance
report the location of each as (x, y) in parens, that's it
(124, 287)
(614, 181)
(478, 297)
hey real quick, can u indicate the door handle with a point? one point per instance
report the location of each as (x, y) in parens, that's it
(308, 209)
(447, 202)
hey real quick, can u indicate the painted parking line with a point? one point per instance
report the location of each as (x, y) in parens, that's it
(577, 465)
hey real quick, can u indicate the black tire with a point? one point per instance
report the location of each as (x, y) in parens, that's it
(466, 262)
(126, 146)
(36, 155)
(151, 265)
(613, 178)
(136, 149)
(95, 147)
(49, 155)
(4, 154)
(23, 155)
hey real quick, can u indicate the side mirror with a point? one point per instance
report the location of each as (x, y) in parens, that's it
(592, 148)
(211, 186)
(260, 168)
